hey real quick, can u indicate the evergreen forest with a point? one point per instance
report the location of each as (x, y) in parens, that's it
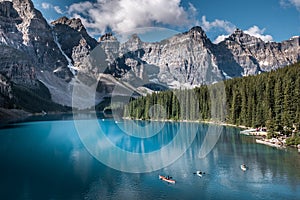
(270, 99)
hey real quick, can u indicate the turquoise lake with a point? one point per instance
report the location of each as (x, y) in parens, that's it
(108, 159)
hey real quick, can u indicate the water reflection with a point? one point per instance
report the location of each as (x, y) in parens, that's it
(142, 129)
(47, 160)
(162, 134)
(137, 155)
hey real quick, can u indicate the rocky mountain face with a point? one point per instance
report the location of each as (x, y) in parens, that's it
(190, 59)
(254, 55)
(76, 44)
(27, 49)
(29, 37)
(46, 61)
(182, 61)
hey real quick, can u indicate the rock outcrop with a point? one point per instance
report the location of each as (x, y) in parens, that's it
(27, 47)
(27, 43)
(74, 39)
(190, 59)
(255, 55)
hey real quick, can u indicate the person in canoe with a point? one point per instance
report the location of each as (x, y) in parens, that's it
(244, 167)
(167, 179)
(199, 173)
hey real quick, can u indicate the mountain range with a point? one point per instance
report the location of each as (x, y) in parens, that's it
(40, 63)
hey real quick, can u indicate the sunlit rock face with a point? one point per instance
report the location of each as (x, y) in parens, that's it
(27, 49)
(190, 59)
(182, 61)
(255, 55)
(27, 43)
(74, 39)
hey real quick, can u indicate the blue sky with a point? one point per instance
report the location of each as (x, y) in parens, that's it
(271, 20)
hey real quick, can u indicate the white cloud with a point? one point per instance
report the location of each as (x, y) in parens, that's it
(296, 3)
(47, 6)
(220, 38)
(124, 15)
(219, 25)
(259, 33)
(228, 27)
(287, 3)
(58, 10)
(254, 31)
(82, 7)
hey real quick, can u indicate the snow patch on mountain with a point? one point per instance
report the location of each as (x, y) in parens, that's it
(70, 64)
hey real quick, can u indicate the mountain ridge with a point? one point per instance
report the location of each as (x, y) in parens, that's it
(37, 55)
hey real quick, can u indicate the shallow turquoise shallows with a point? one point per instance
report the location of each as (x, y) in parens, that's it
(58, 160)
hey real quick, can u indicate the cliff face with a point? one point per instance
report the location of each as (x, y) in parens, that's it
(27, 44)
(254, 55)
(5, 91)
(190, 59)
(27, 47)
(184, 60)
(14, 63)
(74, 40)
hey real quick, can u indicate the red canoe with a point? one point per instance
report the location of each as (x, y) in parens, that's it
(166, 179)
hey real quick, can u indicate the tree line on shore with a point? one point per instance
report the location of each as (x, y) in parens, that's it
(270, 99)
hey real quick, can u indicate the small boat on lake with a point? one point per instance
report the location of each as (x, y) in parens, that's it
(243, 167)
(167, 179)
(200, 173)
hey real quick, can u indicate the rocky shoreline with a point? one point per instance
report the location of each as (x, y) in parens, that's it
(274, 142)
(261, 138)
(11, 115)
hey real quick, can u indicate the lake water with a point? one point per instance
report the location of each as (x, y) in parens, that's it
(61, 160)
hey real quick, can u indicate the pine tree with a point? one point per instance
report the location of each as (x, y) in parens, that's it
(278, 107)
(287, 103)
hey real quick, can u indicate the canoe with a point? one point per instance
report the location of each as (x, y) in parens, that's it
(199, 173)
(166, 179)
(243, 167)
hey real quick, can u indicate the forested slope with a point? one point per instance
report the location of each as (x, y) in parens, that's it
(269, 99)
